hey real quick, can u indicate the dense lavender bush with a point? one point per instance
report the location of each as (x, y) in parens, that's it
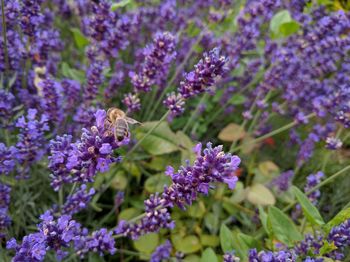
(174, 130)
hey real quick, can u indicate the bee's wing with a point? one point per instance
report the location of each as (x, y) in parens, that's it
(131, 121)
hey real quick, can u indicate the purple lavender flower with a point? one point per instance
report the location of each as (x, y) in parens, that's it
(53, 235)
(283, 181)
(230, 257)
(333, 143)
(7, 101)
(310, 243)
(50, 91)
(340, 237)
(265, 256)
(31, 140)
(213, 165)
(132, 102)
(94, 78)
(7, 159)
(161, 252)
(205, 74)
(5, 220)
(155, 68)
(312, 181)
(175, 103)
(307, 148)
(78, 201)
(32, 249)
(71, 90)
(100, 241)
(82, 160)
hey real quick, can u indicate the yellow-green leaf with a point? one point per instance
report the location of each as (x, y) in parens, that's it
(232, 132)
(309, 209)
(259, 194)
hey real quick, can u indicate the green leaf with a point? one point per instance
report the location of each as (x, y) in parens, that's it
(72, 73)
(80, 40)
(120, 4)
(187, 245)
(282, 227)
(289, 28)
(263, 219)
(259, 194)
(157, 182)
(226, 238)
(147, 243)
(186, 146)
(119, 181)
(128, 213)
(309, 209)
(209, 240)
(337, 220)
(282, 24)
(209, 255)
(240, 245)
(196, 210)
(327, 248)
(237, 99)
(161, 141)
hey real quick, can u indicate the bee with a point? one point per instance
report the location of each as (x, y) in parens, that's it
(120, 122)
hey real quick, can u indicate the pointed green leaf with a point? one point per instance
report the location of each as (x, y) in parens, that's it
(209, 255)
(283, 227)
(80, 40)
(338, 219)
(309, 209)
(225, 238)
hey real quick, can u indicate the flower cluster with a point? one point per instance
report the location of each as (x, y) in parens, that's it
(77, 201)
(162, 252)
(31, 141)
(52, 234)
(80, 161)
(5, 220)
(212, 165)
(283, 181)
(155, 68)
(205, 74)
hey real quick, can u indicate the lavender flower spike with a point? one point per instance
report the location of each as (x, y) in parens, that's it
(161, 252)
(205, 74)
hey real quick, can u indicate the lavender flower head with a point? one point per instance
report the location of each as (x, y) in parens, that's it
(7, 159)
(205, 74)
(212, 165)
(283, 181)
(175, 103)
(158, 56)
(132, 102)
(78, 201)
(230, 257)
(161, 252)
(31, 139)
(333, 143)
(5, 220)
(54, 234)
(80, 161)
(99, 241)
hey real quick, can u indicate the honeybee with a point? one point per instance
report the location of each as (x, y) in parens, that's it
(120, 122)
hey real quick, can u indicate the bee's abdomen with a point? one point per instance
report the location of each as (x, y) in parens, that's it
(121, 129)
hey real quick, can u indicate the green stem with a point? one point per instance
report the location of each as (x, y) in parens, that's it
(4, 34)
(60, 197)
(173, 78)
(323, 183)
(272, 133)
(147, 134)
(194, 113)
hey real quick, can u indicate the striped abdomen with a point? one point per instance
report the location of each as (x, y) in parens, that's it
(121, 129)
